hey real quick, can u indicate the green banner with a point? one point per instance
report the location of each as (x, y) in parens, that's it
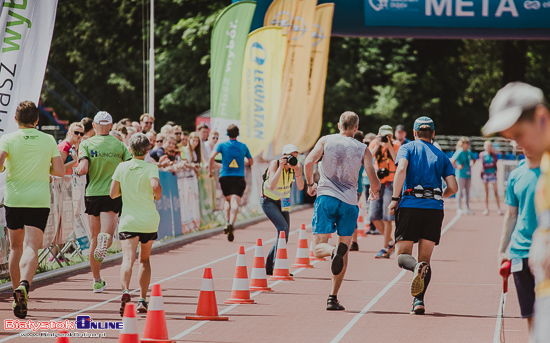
(227, 55)
(207, 196)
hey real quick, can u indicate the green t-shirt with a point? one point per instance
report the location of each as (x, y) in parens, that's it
(28, 167)
(104, 154)
(139, 212)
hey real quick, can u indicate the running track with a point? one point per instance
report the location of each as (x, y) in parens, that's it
(461, 304)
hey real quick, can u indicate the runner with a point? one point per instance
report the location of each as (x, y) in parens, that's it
(138, 183)
(336, 207)
(98, 158)
(419, 208)
(26, 155)
(520, 112)
(275, 198)
(360, 136)
(231, 175)
(488, 158)
(462, 160)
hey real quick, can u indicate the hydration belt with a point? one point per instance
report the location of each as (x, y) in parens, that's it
(424, 192)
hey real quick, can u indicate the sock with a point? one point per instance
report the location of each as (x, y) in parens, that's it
(98, 280)
(391, 243)
(426, 283)
(26, 284)
(333, 297)
(406, 261)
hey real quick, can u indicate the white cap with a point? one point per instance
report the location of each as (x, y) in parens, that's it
(103, 118)
(289, 149)
(508, 105)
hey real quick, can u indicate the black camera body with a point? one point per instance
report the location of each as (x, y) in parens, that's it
(385, 139)
(291, 160)
(382, 173)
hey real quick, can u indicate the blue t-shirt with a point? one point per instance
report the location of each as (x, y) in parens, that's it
(427, 165)
(233, 154)
(360, 180)
(520, 193)
(463, 158)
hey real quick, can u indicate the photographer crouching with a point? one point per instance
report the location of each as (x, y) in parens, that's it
(384, 149)
(275, 200)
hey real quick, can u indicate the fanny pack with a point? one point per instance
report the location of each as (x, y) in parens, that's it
(424, 192)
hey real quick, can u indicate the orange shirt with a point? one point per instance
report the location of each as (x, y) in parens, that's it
(384, 159)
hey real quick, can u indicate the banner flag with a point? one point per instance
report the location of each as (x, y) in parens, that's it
(229, 36)
(281, 13)
(293, 111)
(318, 75)
(261, 87)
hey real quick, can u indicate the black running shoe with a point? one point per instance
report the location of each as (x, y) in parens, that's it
(354, 246)
(142, 306)
(229, 231)
(19, 305)
(123, 300)
(338, 258)
(334, 305)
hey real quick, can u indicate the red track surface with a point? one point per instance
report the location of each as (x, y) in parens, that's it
(461, 304)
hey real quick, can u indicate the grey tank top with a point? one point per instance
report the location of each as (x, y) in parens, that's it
(339, 168)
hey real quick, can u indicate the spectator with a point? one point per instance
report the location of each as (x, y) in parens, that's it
(401, 134)
(213, 139)
(462, 161)
(166, 156)
(167, 130)
(159, 141)
(131, 131)
(117, 134)
(146, 122)
(136, 126)
(193, 152)
(125, 121)
(121, 128)
(204, 131)
(488, 158)
(68, 148)
(88, 128)
(366, 183)
(152, 136)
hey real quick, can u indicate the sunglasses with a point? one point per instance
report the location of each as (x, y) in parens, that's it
(148, 122)
(178, 133)
(78, 133)
(215, 137)
(159, 141)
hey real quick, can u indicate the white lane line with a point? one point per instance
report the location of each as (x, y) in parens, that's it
(500, 318)
(358, 316)
(18, 335)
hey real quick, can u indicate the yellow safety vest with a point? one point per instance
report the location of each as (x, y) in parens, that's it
(282, 190)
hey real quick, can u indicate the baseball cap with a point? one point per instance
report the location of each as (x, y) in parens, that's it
(289, 149)
(103, 118)
(508, 105)
(400, 127)
(385, 130)
(423, 121)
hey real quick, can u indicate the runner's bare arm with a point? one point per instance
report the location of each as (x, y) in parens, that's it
(57, 167)
(508, 225)
(3, 155)
(452, 186)
(398, 182)
(371, 173)
(157, 189)
(250, 161)
(82, 168)
(115, 189)
(314, 156)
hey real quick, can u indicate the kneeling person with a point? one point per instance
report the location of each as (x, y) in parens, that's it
(138, 183)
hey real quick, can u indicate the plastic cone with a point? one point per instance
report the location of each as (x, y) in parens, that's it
(129, 332)
(155, 322)
(258, 277)
(207, 309)
(360, 227)
(280, 272)
(302, 257)
(62, 339)
(312, 255)
(241, 287)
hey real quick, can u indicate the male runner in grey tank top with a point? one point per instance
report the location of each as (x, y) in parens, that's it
(336, 207)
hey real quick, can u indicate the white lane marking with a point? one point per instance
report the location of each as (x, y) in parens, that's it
(500, 318)
(358, 316)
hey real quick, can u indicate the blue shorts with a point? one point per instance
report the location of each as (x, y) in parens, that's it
(333, 215)
(378, 209)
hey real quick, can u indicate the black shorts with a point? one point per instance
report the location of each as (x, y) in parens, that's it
(144, 237)
(103, 203)
(413, 224)
(525, 286)
(232, 185)
(18, 217)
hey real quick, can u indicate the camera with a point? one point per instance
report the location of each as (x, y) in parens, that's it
(291, 160)
(385, 139)
(382, 173)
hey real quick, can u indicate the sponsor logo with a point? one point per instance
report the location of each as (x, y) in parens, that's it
(531, 5)
(380, 6)
(95, 153)
(299, 28)
(318, 34)
(258, 53)
(30, 137)
(284, 20)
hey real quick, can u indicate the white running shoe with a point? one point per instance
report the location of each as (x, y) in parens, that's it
(100, 251)
(485, 212)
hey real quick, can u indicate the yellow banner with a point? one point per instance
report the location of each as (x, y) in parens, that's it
(318, 75)
(261, 87)
(293, 111)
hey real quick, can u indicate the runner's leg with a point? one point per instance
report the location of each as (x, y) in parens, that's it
(145, 267)
(95, 228)
(129, 248)
(337, 279)
(17, 237)
(235, 201)
(425, 250)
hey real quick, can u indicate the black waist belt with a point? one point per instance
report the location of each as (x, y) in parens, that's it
(424, 192)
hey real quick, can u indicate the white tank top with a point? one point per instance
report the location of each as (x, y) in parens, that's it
(339, 168)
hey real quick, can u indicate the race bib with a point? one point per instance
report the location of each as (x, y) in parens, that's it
(285, 204)
(517, 265)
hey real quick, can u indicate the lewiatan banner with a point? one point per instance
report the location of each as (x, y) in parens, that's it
(261, 87)
(229, 36)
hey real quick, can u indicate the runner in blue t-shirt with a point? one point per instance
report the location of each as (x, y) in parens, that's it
(231, 175)
(419, 212)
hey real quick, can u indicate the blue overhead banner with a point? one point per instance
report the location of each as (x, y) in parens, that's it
(489, 19)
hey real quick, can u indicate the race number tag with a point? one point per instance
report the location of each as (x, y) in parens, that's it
(517, 265)
(285, 204)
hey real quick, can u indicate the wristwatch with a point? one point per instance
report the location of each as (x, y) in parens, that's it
(395, 198)
(310, 184)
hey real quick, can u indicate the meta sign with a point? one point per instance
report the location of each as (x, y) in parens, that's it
(490, 19)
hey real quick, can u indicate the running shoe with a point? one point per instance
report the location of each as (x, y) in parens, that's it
(21, 298)
(383, 253)
(417, 283)
(485, 212)
(229, 231)
(142, 306)
(100, 286)
(470, 212)
(418, 307)
(373, 232)
(389, 250)
(499, 212)
(338, 258)
(334, 305)
(100, 251)
(123, 300)
(354, 246)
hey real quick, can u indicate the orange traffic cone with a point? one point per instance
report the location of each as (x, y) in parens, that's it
(258, 277)
(312, 255)
(207, 309)
(241, 288)
(62, 339)
(280, 272)
(155, 322)
(129, 332)
(302, 258)
(360, 227)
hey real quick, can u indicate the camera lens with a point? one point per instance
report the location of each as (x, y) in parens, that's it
(385, 139)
